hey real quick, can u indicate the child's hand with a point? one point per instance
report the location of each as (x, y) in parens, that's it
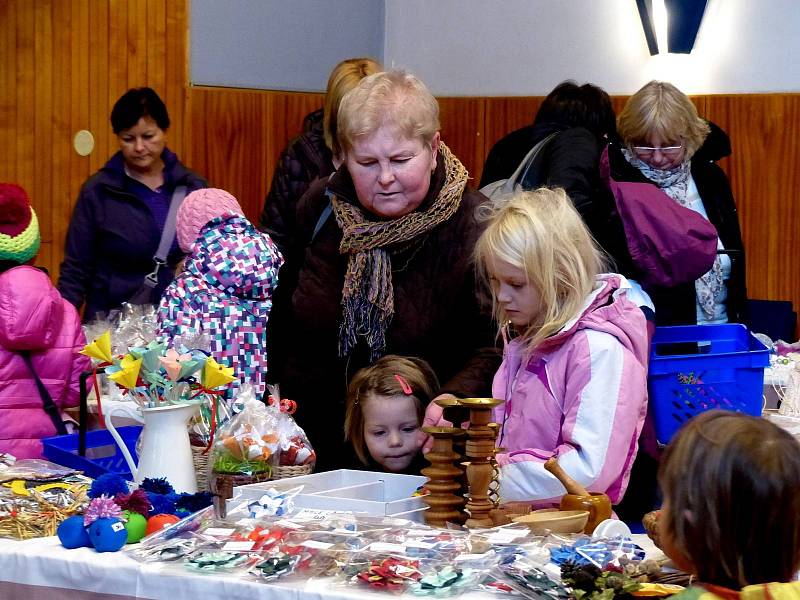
(434, 418)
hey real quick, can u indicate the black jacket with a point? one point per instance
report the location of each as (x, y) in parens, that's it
(677, 305)
(438, 314)
(112, 238)
(303, 160)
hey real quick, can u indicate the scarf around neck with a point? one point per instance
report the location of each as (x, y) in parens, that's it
(675, 184)
(368, 294)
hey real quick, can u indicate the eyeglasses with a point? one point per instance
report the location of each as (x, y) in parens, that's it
(647, 151)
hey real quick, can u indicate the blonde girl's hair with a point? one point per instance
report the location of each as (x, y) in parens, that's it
(392, 98)
(730, 484)
(386, 377)
(344, 77)
(541, 233)
(659, 108)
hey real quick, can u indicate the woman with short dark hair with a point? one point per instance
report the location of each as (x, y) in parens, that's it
(117, 224)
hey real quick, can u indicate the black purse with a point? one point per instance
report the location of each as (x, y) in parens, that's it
(47, 400)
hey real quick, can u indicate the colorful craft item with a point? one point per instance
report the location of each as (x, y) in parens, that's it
(297, 453)
(72, 533)
(127, 373)
(248, 445)
(107, 534)
(150, 355)
(271, 504)
(216, 375)
(103, 507)
(178, 366)
(390, 573)
(216, 561)
(108, 484)
(99, 349)
(276, 566)
(158, 522)
(135, 525)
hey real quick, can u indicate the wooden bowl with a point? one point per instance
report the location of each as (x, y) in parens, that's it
(554, 521)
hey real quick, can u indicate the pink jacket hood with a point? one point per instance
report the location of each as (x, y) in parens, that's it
(31, 310)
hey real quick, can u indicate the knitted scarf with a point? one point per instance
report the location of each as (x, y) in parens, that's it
(675, 184)
(367, 294)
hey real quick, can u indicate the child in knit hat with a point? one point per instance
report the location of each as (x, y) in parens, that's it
(225, 289)
(40, 335)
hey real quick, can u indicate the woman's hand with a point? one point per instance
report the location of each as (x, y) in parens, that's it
(434, 418)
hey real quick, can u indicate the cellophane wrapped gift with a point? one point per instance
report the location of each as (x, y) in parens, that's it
(294, 448)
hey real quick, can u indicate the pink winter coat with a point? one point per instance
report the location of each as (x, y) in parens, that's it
(34, 317)
(582, 398)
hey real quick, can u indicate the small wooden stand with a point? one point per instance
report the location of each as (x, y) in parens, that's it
(480, 449)
(445, 496)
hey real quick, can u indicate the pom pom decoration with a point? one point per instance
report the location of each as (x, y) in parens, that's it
(158, 485)
(108, 484)
(135, 502)
(72, 533)
(101, 508)
(107, 534)
(161, 504)
(191, 503)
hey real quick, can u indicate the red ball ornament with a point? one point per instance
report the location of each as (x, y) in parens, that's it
(158, 522)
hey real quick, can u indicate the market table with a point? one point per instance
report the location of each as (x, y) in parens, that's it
(41, 569)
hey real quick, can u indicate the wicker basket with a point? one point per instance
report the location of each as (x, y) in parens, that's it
(200, 459)
(281, 472)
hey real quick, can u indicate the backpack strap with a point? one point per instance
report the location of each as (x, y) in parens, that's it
(47, 401)
(167, 236)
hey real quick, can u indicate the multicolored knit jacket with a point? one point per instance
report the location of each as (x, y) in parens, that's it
(225, 290)
(762, 591)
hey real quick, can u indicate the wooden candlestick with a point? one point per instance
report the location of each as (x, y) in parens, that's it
(458, 415)
(445, 496)
(480, 451)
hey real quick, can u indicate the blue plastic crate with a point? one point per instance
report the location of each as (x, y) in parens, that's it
(102, 453)
(695, 368)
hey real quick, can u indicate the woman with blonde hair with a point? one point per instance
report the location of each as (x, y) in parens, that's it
(667, 145)
(574, 371)
(311, 154)
(382, 263)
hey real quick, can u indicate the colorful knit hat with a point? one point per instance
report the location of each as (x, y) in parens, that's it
(198, 208)
(19, 228)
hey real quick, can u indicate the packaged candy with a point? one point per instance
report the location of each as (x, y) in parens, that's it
(293, 446)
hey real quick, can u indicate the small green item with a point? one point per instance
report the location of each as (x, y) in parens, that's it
(135, 526)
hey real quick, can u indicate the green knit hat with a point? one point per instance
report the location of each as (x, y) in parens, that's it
(19, 228)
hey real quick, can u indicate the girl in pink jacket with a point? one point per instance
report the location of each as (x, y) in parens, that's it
(574, 371)
(35, 321)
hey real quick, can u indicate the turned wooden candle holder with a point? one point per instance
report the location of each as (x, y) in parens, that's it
(480, 450)
(445, 495)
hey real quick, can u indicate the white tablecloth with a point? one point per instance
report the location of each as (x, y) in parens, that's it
(42, 569)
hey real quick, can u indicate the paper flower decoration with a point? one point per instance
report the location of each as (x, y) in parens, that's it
(216, 375)
(150, 355)
(128, 373)
(99, 349)
(178, 365)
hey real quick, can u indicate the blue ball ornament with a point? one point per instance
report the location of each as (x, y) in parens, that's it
(108, 534)
(72, 534)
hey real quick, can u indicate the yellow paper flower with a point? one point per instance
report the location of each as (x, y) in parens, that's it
(128, 373)
(216, 375)
(100, 348)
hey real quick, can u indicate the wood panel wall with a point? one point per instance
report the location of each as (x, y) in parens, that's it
(62, 67)
(63, 64)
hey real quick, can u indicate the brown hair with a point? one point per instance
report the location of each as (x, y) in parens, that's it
(344, 77)
(731, 484)
(380, 379)
(662, 109)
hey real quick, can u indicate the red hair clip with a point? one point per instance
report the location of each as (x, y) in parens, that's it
(404, 385)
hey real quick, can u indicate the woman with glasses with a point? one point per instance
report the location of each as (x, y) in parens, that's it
(666, 144)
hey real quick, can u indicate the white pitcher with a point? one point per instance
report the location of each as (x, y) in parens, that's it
(166, 450)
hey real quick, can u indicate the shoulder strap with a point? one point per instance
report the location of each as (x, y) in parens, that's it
(506, 187)
(47, 401)
(167, 236)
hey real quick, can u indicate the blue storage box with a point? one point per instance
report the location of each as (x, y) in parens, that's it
(695, 368)
(102, 453)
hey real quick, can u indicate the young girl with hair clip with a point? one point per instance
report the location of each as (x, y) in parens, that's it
(731, 512)
(574, 371)
(385, 405)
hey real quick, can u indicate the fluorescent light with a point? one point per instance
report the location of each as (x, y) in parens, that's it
(660, 20)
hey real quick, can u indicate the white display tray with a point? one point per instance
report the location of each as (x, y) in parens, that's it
(366, 492)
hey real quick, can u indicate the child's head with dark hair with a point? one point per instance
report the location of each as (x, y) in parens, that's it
(731, 511)
(385, 406)
(574, 105)
(136, 104)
